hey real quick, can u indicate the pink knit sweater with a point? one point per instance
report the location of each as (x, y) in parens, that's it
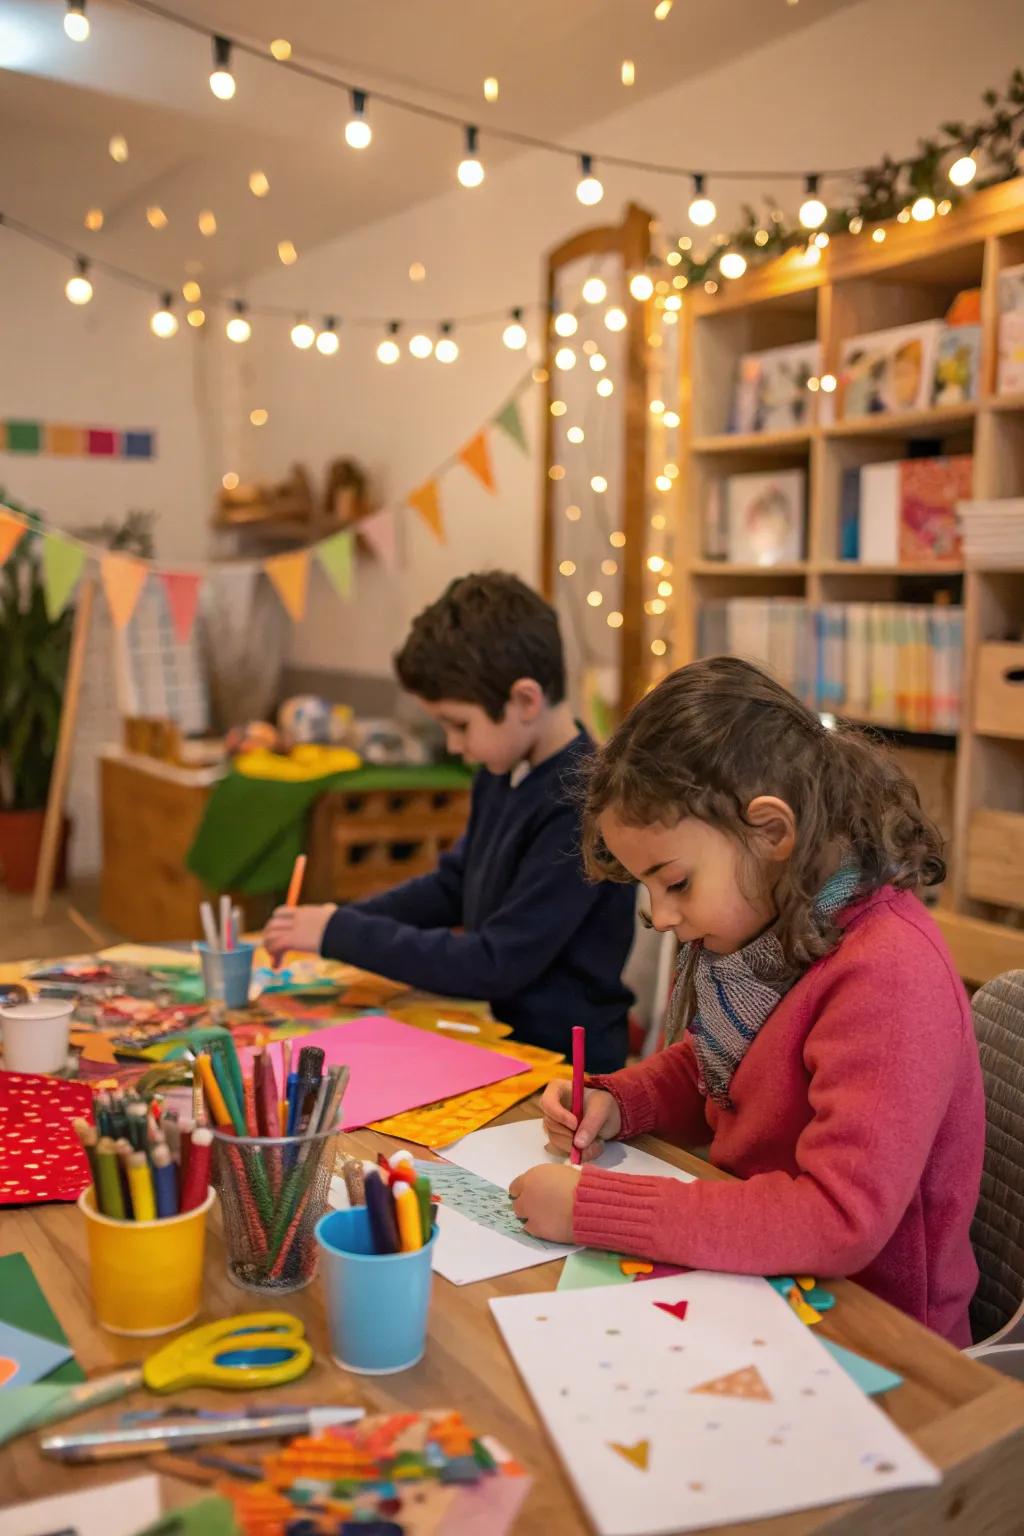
(858, 1131)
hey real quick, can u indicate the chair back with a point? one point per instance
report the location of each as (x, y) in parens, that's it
(998, 1230)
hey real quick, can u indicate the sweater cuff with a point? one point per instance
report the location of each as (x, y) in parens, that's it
(625, 1213)
(332, 944)
(637, 1109)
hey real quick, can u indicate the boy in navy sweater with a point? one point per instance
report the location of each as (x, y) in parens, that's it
(541, 945)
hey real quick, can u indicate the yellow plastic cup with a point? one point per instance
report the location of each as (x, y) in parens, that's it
(147, 1276)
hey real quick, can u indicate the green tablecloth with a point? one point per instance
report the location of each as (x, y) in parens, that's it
(254, 829)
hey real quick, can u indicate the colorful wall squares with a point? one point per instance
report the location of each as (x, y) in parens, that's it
(65, 441)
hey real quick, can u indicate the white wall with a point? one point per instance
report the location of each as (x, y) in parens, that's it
(870, 79)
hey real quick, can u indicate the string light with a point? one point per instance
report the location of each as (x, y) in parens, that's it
(222, 81)
(327, 342)
(614, 619)
(812, 255)
(813, 212)
(821, 239)
(674, 258)
(229, 481)
(196, 318)
(514, 335)
(259, 184)
(655, 563)
(856, 224)
(589, 189)
(491, 88)
(598, 484)
(761, 237)
(388, 351)
(628, 72)
(878, 235)
(903, 217)
(94, 219)
(207, 222)
(565, 358)
(662, 9)
(567, 568)
(702, 210)
(659, 522)
(664, 589)
(78, 288)
(118, 149)
(259, 417)
(446, 350)
(573, 513)
(595, 598)
(164, 322)
(657, 407)
(558, 407)
(598, 362)
(287, 255)
(657, 605)
(641, 286)
(943, 207)
(732, 264)
(922, 209)
(358, 133)
(470, 171)
(156, 218)
(76, 22)
(963, 171)
(417, 272)
(828, 383)
(605, 387)
(617, 539)
(595, 290)
(616, 319)
(420, 346)
(281, 48)
(575, 435)
(658, 647)
(671, 419)
(556, 472)
(609, 567)
(238, 328)
(191, 291)
(684, 242)
(663, 483)
(566, 323)
(303, 335)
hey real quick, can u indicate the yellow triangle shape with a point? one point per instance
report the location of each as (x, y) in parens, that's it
(290, 575)
(638, 1454)
(426, 500)
(747, 1383)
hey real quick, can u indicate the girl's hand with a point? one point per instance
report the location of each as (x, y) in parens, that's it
(542, 1199)
(600, 1121)
(297, 928)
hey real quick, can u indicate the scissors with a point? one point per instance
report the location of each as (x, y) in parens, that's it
(254, 1349)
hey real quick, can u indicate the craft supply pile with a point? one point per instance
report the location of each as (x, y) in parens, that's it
(175, 1112)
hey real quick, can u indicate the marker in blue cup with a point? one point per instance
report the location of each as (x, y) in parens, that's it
(377, 1303)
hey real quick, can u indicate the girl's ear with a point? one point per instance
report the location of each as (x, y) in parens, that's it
(774, 826)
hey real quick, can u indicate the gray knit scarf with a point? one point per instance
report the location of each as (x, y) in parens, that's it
(736, 993)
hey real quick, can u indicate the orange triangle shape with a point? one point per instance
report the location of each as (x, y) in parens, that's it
(427, 502)
(290, 575)
(638, 1454)
(747, 1383)
(123, 580)
(10, 533)
(477, 458)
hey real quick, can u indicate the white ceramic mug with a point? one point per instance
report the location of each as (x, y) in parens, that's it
(35, 1035)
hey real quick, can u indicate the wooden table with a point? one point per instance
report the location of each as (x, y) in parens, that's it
(962, 1415)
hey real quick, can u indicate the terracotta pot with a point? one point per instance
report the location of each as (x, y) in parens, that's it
(21, 836)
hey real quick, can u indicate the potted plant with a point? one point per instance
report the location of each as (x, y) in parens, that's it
(33, 664)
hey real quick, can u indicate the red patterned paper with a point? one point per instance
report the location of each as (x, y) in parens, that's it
(40, 1155)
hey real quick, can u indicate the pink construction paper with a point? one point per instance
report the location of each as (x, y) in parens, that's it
(396, 1067)
(486, 1508)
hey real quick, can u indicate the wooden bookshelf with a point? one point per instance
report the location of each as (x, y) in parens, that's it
(972, 780)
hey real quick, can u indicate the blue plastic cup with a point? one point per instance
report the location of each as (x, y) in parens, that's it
(227, 974)
(377, 1303)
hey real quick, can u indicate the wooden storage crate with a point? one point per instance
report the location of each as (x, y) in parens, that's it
(361, 843)
(999, 691)
(995, 858)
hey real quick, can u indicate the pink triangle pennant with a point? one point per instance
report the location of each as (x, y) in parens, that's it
(380, 534)
(182, 590)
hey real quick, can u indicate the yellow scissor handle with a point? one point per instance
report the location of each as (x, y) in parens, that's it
(216, 1355)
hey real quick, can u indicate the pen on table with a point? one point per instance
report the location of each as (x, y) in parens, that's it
(165, 1436)
(579, 1041)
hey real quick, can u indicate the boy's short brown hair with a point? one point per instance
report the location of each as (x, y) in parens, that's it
(482, 634)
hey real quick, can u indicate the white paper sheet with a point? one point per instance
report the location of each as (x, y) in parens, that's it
(466, 1252)
(731, 1413)
(503, 1151)
(115, 1509)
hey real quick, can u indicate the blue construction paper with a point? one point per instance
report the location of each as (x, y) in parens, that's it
(25, 1357)
(871, 1378)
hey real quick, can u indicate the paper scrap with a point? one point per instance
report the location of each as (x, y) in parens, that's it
(871, 1378)
(26, 1358)
(502, 1152)
(590, 1267)
(637, 1455)
(113, 1509)
(747, 1383)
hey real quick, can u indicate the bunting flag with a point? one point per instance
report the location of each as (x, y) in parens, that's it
(182, 592)
(10, 533)
(427, 502)
(477, 458)
(335, 557)
(290, 575)
(62, 566)
(123, 580)
(510, 422)
(381, 536)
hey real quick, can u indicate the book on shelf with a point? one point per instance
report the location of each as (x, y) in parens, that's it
(993, 531)
(1010, 366)
(891, 664)
(904, 512)
(891, 370)
(765, 517)
(772, 393)
(957, 365)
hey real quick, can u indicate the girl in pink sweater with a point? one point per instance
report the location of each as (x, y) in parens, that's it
(819, 1039)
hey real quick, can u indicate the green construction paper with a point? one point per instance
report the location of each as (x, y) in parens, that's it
(212, 1516)
(21, 1407)
(335, 556)
(24, 436)
(511, 423)
(254, 829)
(591, 1267)
(23, 1305)
(62, 566)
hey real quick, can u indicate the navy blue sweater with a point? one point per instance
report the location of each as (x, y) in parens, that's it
(543, 946)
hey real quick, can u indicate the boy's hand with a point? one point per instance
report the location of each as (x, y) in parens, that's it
(297, 928)
(542, 1199)
(600, 1121)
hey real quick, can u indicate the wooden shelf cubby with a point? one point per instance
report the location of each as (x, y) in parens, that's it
(972, 779)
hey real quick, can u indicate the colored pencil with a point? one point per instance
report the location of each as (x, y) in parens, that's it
(225, 924)
(579, 1044)
(209, 926)
(108, 1193)
(197, 1175)
(140, 1183)
(407, 1216)
(165, 1182)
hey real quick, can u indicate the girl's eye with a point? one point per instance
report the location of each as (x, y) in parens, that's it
(680, 885)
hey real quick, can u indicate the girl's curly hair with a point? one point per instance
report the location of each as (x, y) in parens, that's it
(716, 734)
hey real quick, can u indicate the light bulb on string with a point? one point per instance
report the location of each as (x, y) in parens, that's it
(76, 22)
(595, 290)
(616, 319)
(491, 89)
(702, 210)
(598, 362)
(191, 291)
(575, 435)
(565, 358)
(327, 342)
(303, 334)
(627, 73)
(78, 288)
(514, 335)
(388, 351)
(196, 318)
(222, 81)
(281, 49)
(238, 328)
(922, 209)
(589, 190)
(259, 183)
(605, 387)
(358, 133)
(446, 349)
(813, 212)
(470, 171)
(641, 286)
(732, 264)
(164, 322)
(118, 148)
(565, 323)
(420, 346)
(963, 170)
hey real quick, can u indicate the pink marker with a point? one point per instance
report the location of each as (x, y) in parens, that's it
(579, 1041)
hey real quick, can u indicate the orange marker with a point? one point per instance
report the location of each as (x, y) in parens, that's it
(214, 1097)
(294, 892)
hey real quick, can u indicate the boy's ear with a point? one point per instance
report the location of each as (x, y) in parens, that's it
(526, 696)
(774, 824)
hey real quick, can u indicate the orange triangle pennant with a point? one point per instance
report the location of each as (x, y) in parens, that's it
(427, 501)
(477, 458)
(290, 575)
(748, 1383)
(123, 580)
(10, 532)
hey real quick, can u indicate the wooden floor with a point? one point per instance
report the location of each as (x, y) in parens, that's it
(22, 938)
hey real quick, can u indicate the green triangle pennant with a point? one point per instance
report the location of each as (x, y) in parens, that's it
(511, 423)
(62, 566)
(335, 556)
